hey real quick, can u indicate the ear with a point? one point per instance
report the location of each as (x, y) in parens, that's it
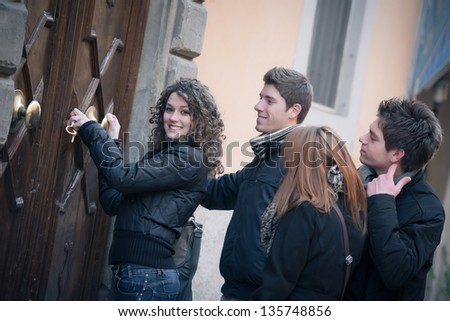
(397, 155)
(294, 111)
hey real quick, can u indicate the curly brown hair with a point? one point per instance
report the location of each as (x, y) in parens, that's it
(208, 127)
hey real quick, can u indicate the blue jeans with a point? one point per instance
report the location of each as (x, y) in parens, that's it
(142, 283)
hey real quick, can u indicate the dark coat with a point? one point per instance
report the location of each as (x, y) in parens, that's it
(248, 191)
(152, 198)
(307, 257)
(403, 235)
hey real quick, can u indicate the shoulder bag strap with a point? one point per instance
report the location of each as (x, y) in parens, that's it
(348, 256)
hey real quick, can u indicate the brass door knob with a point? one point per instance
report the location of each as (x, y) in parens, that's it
(92, 114)
(32, 113)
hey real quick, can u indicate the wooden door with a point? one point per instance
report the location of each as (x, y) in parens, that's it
(53, 232)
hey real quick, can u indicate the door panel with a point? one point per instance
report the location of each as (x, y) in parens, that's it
(22, 230)
(53, 232)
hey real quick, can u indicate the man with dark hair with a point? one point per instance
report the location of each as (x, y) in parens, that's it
(285, 100)
(405, 217)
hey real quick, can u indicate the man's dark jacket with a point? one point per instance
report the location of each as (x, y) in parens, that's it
(403, 235)
(248, 192)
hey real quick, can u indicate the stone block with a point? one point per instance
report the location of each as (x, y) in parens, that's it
(189, 29)
(13, 19)
(6, 107)
(179, 67)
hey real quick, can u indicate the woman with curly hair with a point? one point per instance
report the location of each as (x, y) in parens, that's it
(206, 125)
(153, 198)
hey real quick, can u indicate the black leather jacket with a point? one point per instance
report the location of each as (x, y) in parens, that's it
(152, 198)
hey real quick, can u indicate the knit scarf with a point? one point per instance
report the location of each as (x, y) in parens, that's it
(270, 218)
(259, 143)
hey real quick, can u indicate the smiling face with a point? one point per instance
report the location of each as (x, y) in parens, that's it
(177, 117)
(272, 110)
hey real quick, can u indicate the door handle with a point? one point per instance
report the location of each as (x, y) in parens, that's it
(32, 113)
(92, 113)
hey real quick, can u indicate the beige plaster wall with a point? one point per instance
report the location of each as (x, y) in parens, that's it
(244, 39)
(390, 57)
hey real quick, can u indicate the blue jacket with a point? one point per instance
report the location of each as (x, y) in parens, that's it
(248, 192)
(151, 199)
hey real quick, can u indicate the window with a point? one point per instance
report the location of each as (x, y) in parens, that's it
(327, 49)
(332, 50)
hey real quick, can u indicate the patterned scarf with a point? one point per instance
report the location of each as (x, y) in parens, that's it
(259, 143)
(270, 218)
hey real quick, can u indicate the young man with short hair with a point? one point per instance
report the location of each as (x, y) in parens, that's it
(405, 217)
(285, 100)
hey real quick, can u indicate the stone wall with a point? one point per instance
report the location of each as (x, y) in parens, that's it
(13, 18)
